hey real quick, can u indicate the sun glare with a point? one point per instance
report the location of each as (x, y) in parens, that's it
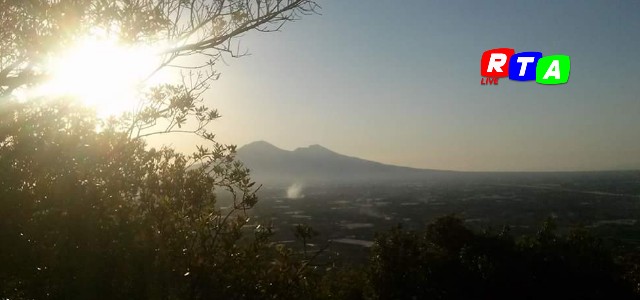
(103, 74)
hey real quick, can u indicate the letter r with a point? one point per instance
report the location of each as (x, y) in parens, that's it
(495, 62)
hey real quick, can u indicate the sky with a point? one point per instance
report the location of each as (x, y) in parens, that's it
(398, 82)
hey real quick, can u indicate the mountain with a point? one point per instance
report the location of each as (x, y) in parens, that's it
(318, 165)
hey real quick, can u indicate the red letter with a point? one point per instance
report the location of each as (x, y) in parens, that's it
(495, 62)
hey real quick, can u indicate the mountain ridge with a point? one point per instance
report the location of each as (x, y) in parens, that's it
(316, 164)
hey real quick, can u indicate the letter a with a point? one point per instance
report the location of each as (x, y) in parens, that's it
(554, 70)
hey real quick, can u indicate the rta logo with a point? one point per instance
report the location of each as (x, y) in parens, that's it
(524, 66)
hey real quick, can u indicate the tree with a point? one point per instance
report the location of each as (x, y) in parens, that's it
(94, 213)
(32, 30)
(304, 233)
(450, 261)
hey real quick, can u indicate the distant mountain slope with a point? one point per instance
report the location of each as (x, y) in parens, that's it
(316, 164)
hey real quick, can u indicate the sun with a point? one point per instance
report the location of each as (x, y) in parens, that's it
(103, 74)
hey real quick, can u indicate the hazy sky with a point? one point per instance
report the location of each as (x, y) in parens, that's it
(399, 82)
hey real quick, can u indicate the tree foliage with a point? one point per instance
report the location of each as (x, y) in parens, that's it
(87, 209)
(191, 30)
(87, 214)
(450, 261)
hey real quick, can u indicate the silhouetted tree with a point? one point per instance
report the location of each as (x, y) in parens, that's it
(32, 30)
(449, 261)
(87, 209)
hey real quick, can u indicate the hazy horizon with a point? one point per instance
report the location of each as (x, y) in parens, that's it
(400, 84)
(304, 147)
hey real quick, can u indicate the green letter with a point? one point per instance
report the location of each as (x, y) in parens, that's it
(553, 69)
